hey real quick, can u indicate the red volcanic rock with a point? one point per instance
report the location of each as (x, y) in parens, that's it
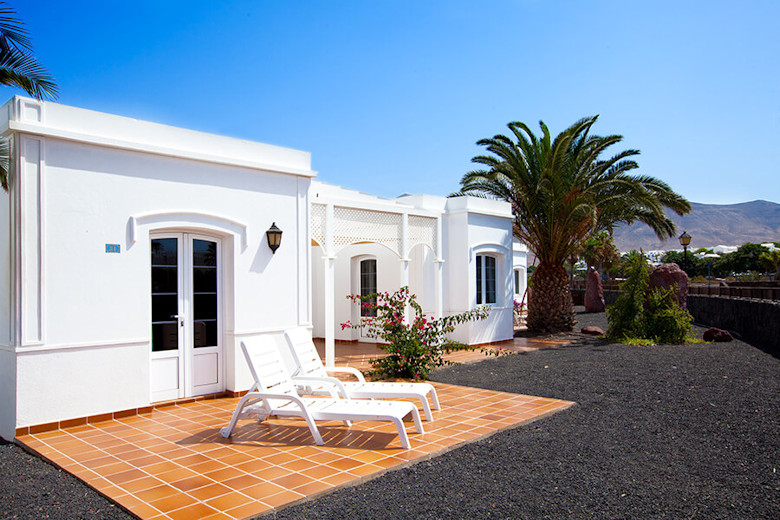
(594, 293)
(593, 331)
(717, 335)
(666, 275)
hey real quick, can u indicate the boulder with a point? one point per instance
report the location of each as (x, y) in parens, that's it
(667, 275)
(594, 292)
(592, 331)
(717, 335)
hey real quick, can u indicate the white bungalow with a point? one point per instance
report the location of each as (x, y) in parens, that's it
(136, 256)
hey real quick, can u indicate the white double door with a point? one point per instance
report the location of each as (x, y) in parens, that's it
(186, 346)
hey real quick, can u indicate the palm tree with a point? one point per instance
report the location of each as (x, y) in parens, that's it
(599, 251)
(561, 191)
(19, 68)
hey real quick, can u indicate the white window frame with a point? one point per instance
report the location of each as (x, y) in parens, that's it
(360, 282)
(481, 272)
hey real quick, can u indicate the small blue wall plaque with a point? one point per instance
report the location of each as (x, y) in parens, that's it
(112, 248)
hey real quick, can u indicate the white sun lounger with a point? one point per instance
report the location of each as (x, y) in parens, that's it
(311, 368)
(273, 393)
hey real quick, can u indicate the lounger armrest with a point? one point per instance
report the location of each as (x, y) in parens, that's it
(348, 370)
(286, 397)
(328, 382)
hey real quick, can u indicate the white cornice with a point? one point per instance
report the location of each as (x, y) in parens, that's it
(27, 128)
(46, 119)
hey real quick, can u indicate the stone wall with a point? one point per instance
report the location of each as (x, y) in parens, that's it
(578, 296)
(756, 321)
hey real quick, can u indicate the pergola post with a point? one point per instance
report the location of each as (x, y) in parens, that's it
(439, 264)
(330, 295)
(405, 257)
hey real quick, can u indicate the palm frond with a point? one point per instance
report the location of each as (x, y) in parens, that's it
(23, 70)
(13, 34)
(562, 189)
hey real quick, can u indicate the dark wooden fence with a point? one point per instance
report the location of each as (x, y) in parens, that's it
(756, 291)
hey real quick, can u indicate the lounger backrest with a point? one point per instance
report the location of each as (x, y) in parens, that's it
(266, 365)
(305, 353)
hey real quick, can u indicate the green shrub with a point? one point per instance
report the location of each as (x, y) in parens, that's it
(664, 320)
(641, 316)
(625, 316)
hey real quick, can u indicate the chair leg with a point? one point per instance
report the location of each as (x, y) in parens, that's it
(426, 409)
(313, 429)
(399, 425)
(418, 427)
(227, 431)
(435, 399)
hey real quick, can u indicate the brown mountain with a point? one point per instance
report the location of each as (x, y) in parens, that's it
(710, 225)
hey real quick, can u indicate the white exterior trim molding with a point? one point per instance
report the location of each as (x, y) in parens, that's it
(187, 219)
(48, 119)
(487, 247)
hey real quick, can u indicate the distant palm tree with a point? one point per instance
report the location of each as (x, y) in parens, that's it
(19, 68)
(561, 191)
(599, 251)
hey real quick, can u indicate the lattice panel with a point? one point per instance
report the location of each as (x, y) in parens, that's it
(317, 223)
(357, 225)
(422, 230)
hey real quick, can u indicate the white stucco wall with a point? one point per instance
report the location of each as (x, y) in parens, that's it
(7, 393)
(422, 277)
(85, 347)
(347, 282)
(5, 269)
(476, 226)
(520, 264)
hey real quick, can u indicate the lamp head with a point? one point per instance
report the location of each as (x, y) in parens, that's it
(274, 235)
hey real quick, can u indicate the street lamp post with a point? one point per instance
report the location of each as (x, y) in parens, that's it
(685, 240)
(709, 258)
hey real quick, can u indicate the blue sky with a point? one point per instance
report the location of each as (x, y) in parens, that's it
(391, 96)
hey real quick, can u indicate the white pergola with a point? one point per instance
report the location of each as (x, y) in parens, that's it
(337, 223)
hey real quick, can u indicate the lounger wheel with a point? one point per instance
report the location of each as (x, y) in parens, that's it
(225, 432)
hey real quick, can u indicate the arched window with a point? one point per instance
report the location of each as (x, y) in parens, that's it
(368, 284)
(486, 279)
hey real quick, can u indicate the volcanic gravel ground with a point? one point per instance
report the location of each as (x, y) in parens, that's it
(664, 432)
(31, 489)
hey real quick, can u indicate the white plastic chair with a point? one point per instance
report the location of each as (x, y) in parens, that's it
(274, 393)
(310, 368)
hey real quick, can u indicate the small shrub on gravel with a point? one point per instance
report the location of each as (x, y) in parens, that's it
(625, 316)
(664, 320)
(642, 316)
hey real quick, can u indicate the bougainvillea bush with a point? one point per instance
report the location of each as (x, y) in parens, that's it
(416, 347)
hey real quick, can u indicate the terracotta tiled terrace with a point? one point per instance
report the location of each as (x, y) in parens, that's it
(172, 463)
(359, 355)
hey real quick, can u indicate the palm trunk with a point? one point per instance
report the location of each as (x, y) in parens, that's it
(550, 307)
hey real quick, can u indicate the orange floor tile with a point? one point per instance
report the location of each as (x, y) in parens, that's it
(173, 464)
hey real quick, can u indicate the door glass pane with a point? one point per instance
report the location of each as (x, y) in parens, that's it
(204, 298)
(490, 279)
(368, 285)
(165, 297)
(479, 279)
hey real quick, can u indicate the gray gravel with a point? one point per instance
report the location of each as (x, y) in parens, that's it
(31, 489)
(665, 432)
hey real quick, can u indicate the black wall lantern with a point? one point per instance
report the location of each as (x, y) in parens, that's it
(274, 235)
